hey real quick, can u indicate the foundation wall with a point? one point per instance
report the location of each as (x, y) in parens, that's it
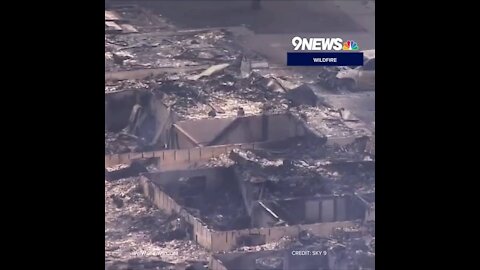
(227, 240)
(249, 129)
(202, 235)
(178, 159)
(311, 210)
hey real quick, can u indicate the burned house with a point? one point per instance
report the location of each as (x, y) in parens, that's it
(173, 117)
(249, 200)
(277, 188)
(280, 178)
(213, 204)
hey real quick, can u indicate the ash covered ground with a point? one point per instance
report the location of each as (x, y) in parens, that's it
(138, 235)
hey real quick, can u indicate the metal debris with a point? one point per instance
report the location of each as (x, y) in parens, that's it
(208, 72)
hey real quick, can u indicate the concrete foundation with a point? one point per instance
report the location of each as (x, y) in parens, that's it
(181, 159)
(228, 240)
(258, 128)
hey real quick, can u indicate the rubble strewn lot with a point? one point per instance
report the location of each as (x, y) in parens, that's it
(136, 230)
(223, 93)
(128, 52)
(330, 122)
(222, 82)
(346, 249)
(157, 76)
(138, 18)
(289, 174)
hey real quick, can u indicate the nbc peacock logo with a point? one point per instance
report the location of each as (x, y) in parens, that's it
(350, 45)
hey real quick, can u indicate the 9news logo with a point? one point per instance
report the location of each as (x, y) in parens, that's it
(324, 44)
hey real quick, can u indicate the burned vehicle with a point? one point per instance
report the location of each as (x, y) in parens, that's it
(360, 78)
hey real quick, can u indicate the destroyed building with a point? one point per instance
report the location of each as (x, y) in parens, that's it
(346, 249)
(213, 153)
(221, 221)
(142, 109)
(253, 192)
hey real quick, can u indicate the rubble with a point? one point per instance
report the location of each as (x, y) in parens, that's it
(135, 169)
(208, 72)
(224, 211)
(175, 228)
(128, 85)
(306, 167)
(273, 262)
(284, 243)
(302, 95)
(175, 50)
(327, 77)
(129, 230)
(328, 122)
(118, 143)
(222, 160)
(331, 253)
(146, 264)
(117, 201)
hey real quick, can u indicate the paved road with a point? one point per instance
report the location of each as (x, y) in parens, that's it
(269, 31)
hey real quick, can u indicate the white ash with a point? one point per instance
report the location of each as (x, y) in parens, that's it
(129, 229)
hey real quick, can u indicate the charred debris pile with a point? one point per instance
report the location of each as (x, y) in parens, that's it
(198, 74)
(221, 93)
(347, 248)
(308, 167)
